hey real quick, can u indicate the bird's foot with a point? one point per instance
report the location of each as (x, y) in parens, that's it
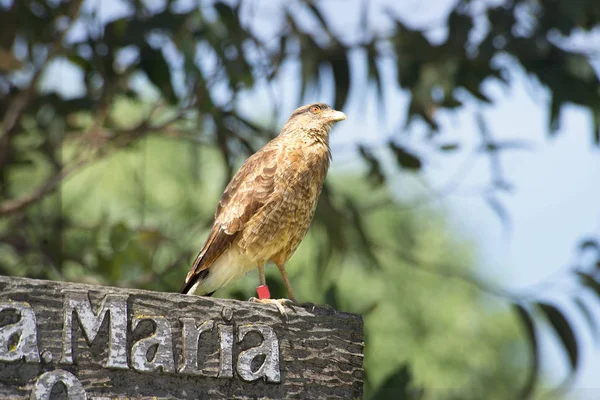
(279, 303)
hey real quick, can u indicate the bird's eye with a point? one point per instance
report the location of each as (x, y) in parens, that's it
(315, 109)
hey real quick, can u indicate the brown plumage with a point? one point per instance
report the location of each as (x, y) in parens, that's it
(269, 204)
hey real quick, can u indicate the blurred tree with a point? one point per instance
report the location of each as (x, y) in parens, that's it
(140, 223)
(199, 61)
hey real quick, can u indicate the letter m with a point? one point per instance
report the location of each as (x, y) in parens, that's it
(115, 306)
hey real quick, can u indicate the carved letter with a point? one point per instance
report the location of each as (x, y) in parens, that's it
(163, 358)
(191, 335)
(226, 351)
(45, 382)
(90, 322)
(269, 348)
(25, 330)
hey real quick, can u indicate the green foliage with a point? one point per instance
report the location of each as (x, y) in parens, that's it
(146, 214)
(130, 179)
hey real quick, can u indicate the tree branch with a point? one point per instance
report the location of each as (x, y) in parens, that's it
(14, 205)
(122, 139)
(18, 105)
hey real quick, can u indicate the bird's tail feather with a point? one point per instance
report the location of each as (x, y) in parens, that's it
(189, 285)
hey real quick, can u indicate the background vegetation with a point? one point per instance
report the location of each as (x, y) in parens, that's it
(117, 183)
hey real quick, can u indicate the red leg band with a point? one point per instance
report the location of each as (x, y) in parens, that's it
(263, 292)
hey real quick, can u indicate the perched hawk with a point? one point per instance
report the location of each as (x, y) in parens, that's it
(268, 206)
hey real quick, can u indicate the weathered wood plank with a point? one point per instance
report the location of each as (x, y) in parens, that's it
(164, 345)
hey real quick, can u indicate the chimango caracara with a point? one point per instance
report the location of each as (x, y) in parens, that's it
(268, 206)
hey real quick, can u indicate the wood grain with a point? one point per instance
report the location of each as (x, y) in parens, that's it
(320, 350)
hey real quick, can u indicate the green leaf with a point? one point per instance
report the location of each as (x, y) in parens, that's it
(589, 317)
(597, 127)
(81, 62)
(589, 281)
(449, 147)
(309, 56)
(331, 297)
(313, 7)
(229, 17)
(116, 31)
(589, 244)
(119, 236)
(451, 102)
(405, 158)
(398, 387)
(341, 74)
(506, 145)
(529, 327)
(459, 26)
(563, 329)
(555, 107)
(153, 63)
(474, 90)
(375, 76)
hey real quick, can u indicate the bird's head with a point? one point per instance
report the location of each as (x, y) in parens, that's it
(316, 118)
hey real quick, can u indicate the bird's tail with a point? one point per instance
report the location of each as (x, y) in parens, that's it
(190, 286)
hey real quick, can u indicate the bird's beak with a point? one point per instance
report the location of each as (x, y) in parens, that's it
(336, 116)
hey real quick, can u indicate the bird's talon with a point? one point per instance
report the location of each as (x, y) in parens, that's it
(279, 303)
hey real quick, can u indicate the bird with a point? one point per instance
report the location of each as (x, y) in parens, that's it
(267, 207)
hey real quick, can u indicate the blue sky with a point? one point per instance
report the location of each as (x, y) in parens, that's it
(556, 200)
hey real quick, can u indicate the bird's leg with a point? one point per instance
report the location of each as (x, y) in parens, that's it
(288, 285)
(279, 303)
(261, 275)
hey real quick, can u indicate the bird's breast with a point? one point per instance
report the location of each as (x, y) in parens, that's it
(280, 225)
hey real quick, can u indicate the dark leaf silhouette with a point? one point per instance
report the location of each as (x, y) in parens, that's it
(589, 317)
(449, 147)
(374, 75)
(565, 332)
(528, 325)
(331, 297)
(589, 244)
(589, 281)
(341, 74)
(507, 145)
(398, 387)
(405, 158)
(155, 66)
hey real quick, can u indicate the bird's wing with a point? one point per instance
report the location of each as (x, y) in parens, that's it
(247, 192)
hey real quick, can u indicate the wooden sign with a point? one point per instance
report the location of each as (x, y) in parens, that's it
(61, 340)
